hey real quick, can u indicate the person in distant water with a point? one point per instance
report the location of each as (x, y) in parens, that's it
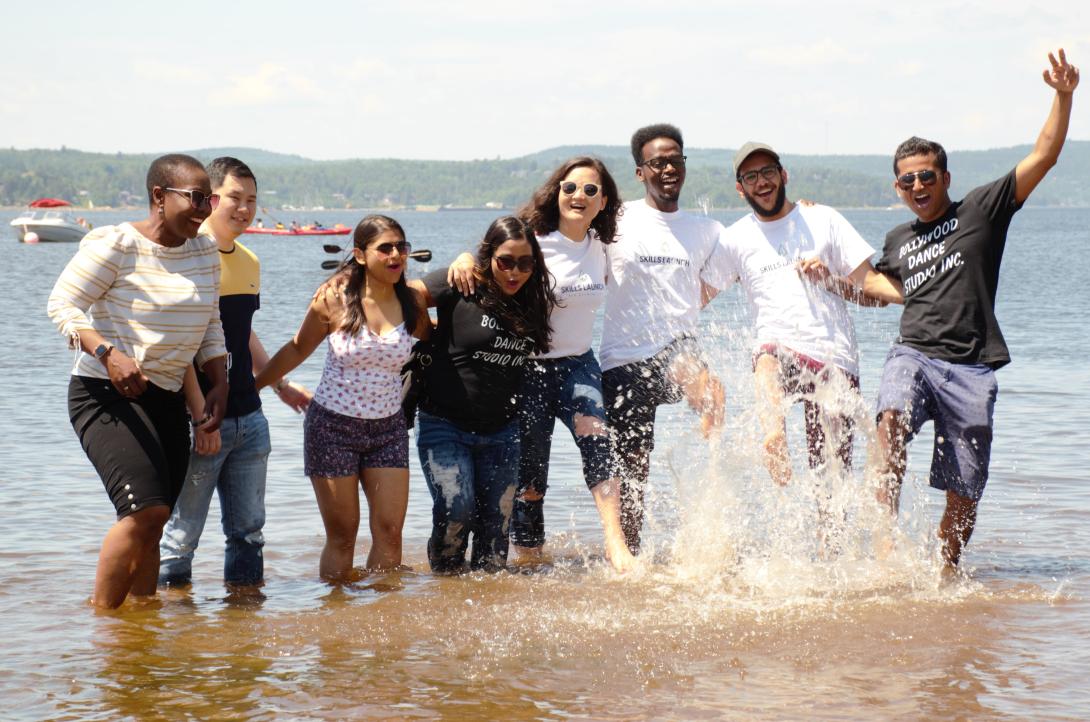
(468, 430)
(805, 340)
(650, 354)
(230, 460)
(942, 366)
(141, 301)
(260, 223)
(575, 212)
(355, 432)
(295, 225)
(279, 226)
(317, 225)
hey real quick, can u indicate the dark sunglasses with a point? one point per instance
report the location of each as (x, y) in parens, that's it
(927, 177)
(769, 172)
(658, 164)
(570, 187)
(387, 249)
(524, 264)
(198, 199)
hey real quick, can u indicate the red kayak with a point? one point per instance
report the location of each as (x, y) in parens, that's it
(306, 231)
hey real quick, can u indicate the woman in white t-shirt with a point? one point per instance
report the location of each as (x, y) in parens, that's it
(574, 213)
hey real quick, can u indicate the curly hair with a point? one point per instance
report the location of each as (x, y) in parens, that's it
(648, 133)
(354, 277)
(525, 313)
(542, 212)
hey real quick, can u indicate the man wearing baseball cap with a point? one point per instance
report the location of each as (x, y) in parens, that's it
(804, 347)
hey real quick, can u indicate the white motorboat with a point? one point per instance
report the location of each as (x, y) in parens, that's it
(44, 221)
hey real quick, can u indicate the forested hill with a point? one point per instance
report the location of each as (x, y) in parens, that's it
(838, 180)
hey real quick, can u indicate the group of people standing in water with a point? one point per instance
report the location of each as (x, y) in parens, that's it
(161, 311)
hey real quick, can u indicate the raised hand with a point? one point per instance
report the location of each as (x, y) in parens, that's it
(1062, 76)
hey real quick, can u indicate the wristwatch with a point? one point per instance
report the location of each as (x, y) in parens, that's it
(101, 350)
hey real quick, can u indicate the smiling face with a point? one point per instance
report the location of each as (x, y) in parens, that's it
(928, 201)
(381, 266)
(578, 210)
(662, 187)
(236, 209)
(766, 196)
(511, 253)
(181, 221)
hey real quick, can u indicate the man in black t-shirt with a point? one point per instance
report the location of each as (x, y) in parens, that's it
(942, 367)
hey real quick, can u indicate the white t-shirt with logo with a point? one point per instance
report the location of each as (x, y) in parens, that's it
(579, 272)
(786, 309)
(655, 269)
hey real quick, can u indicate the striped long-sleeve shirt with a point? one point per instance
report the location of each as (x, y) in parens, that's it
(158, 305)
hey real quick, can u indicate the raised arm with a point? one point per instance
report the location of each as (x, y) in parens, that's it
(1063, 78)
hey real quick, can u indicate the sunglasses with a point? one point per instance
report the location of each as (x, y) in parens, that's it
(198, 200)
(927, 177)
(524, 264)
(387, 249)
(658, 164)
(570, 187)
(769, 172)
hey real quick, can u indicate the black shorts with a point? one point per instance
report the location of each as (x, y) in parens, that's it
(634, 391)
(139, 447)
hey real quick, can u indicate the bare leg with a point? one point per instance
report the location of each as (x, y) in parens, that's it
(702, 390)
(956, 527)
(892, 459)
(607, 494)
(387, 493)
(770, 402)
(339, 504)
(125, 554)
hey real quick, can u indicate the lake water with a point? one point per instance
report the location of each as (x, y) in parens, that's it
(733, 615)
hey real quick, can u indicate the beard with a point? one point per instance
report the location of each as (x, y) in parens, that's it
(781, 199)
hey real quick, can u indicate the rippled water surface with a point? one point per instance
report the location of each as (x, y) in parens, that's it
(737, 611)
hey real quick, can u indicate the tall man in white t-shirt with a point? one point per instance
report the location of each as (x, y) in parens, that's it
(649, 353)
(805, 341)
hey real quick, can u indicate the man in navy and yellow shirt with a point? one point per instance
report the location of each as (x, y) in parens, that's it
(233, 459)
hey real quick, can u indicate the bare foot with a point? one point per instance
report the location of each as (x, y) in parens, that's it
(619, 556)
(528, 556)
(777, 460)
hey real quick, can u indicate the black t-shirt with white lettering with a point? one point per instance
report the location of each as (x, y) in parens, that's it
(950, 272)
(476, 370)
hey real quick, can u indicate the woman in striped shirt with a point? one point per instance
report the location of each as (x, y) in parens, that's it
(140, 302)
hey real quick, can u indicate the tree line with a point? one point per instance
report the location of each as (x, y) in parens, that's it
(101, 179)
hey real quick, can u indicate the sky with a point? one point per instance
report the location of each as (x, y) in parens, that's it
(486, 79)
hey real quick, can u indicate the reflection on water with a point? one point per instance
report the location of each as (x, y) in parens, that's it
(752, 602)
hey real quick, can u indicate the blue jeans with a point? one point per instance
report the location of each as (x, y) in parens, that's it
(560, 388)
(237, 472)
(472, 479)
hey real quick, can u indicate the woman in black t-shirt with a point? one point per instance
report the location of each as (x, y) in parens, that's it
(467, 431)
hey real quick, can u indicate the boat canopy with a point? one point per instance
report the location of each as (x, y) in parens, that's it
(49, 203)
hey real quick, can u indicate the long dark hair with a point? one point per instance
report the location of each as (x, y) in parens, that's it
(542, 212)
(525, 313)
(354, 277)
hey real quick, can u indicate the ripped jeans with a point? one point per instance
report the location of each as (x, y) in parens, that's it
(472, 479)
(569, 389)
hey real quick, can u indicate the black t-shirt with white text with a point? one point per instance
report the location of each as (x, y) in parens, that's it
(477, 364)
(950, 272)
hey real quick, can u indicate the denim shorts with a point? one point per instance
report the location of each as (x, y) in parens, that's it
(338, 445)
(960, 399)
